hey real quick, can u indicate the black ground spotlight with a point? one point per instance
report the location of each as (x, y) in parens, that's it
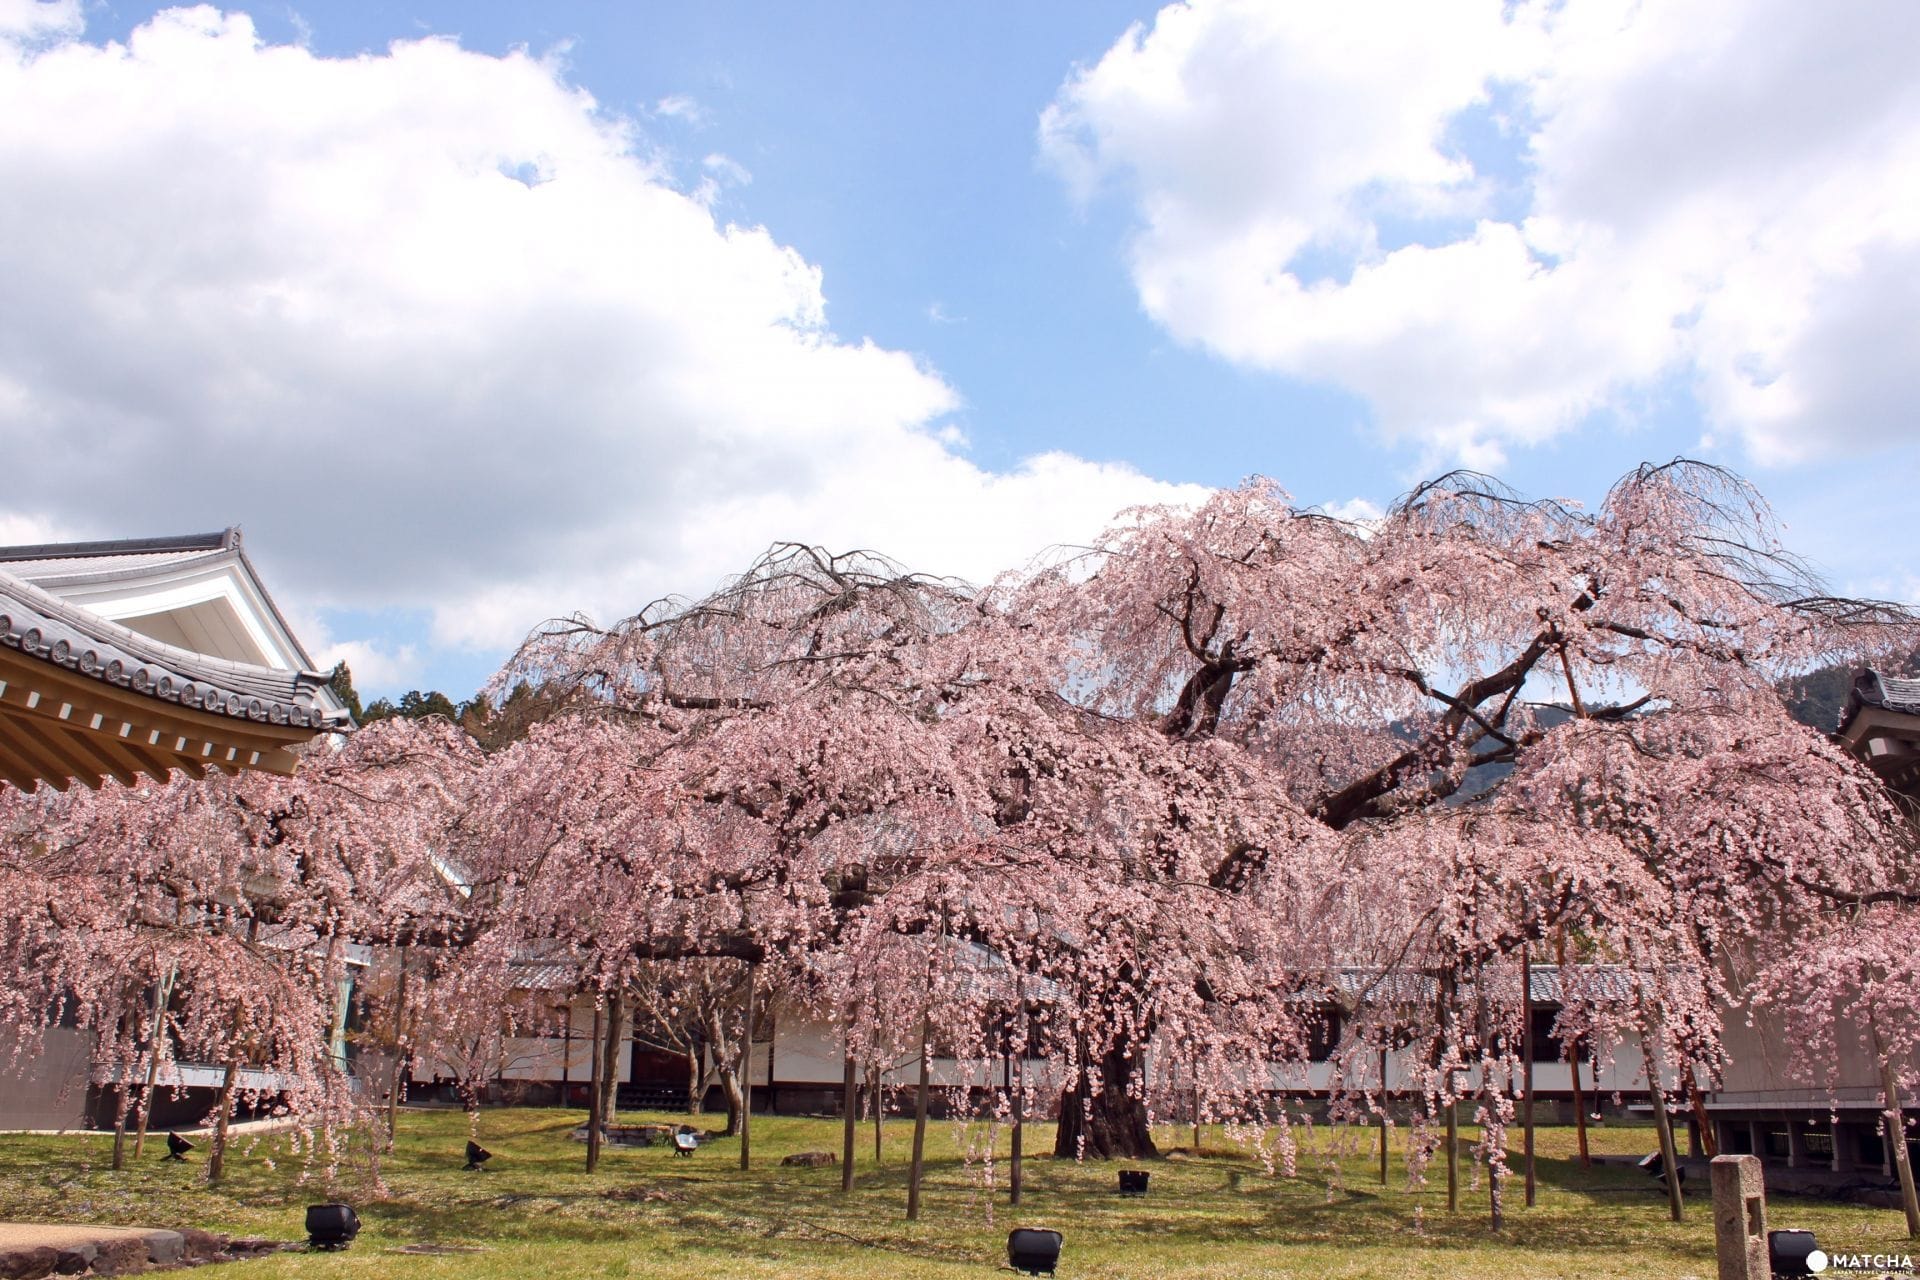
(477, 1157)
(177, 1146)
(1133, 1182)
(331, 1226)
(1793, 1253)
(1035, 1252)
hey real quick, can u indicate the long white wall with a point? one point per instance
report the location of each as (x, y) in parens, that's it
(805, 1052)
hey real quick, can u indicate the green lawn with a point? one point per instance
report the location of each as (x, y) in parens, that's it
(648, 1213)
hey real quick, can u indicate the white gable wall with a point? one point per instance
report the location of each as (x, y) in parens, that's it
(209, 608)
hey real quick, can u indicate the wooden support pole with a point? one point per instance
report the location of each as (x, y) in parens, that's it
(1384, 1128)
(1017, 1173)
(1196, 1099)
(594, 1127)
(1897, 1136)
(1448, 980)
(1526, 1067)
(162, 998)
(878, 1090)
(850, 1114)
(1669, 1156)
(1453, 1152)
(1017, 1049)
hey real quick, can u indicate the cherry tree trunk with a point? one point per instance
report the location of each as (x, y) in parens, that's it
(1897, 1136)
(1107, 1124)
(122, 1103)
(610, 1058)
(122, 1097)
(1017, 1171)
(726, 1067)
(217, 1157)
(736, 1099)
(395, 1079)
(746, 1078)
(1496, 1205)
(918, 1165)
(1702, 1123)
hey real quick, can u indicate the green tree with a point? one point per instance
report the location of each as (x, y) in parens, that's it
(415, 705)
(341, 682)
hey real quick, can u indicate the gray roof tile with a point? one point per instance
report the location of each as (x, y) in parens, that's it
(1873, 689)
(43, 626)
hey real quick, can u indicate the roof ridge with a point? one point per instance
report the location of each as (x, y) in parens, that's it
(225, 539)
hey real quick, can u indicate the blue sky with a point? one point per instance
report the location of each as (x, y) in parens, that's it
(461, 350)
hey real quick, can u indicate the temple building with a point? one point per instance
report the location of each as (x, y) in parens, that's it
(1881, 724)
(126, 660)
(1833, 1130)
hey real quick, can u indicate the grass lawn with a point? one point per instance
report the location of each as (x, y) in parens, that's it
(648, 1213)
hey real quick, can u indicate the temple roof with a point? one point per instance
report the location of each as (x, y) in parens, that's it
(1872, 689)
(115, 577)
(142, 656)
(1880, 724)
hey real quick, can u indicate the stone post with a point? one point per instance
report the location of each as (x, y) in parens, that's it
(1740, 1218)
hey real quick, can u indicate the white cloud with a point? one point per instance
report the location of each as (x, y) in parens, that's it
(31, 20)
(681, 106)
(1358, 511)
(727, 169)
(374, 665)
(718, 173)
(20, 528)
(377, 665)
(436, 328)
(1724, 192)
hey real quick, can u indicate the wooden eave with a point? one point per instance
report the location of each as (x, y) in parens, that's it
(59, 726)
(1898, 761)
